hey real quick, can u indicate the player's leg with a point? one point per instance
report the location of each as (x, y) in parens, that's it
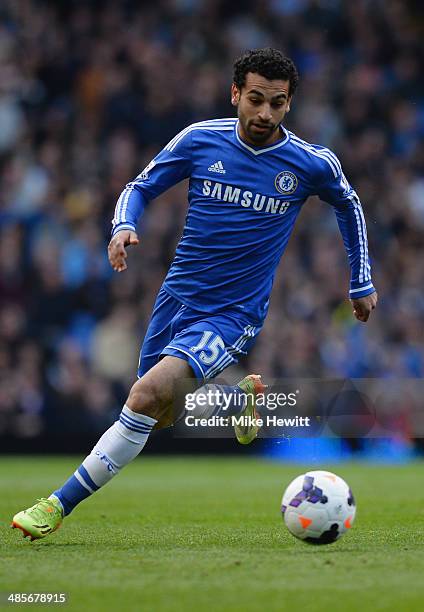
(211, 345)
(149, 403)
(125, 438)
(153, 393)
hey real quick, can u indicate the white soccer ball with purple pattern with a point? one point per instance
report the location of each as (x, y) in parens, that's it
(318, 507)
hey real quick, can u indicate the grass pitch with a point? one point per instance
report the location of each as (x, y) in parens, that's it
(205, 534)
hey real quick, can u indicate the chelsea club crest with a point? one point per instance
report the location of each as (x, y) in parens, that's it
(286, 182)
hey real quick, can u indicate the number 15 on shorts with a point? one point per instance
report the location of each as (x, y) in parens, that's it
(211, 346)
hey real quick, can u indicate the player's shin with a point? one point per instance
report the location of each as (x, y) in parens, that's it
(119, 445)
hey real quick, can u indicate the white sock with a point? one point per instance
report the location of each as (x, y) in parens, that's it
(119, 445)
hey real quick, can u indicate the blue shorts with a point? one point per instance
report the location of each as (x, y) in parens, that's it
(208, 342)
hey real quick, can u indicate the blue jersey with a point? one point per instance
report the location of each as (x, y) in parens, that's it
(243, 203)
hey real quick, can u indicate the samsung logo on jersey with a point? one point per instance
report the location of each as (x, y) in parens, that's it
(259, 202)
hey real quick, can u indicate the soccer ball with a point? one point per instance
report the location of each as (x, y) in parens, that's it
(318, 507)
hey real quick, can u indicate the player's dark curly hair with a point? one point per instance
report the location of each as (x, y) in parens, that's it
(269, 63)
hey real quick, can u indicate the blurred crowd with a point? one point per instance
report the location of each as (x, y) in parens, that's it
(91, 90)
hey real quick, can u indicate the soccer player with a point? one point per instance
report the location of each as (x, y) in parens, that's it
(249, 177)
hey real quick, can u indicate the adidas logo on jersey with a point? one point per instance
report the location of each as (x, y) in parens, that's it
(217, 167)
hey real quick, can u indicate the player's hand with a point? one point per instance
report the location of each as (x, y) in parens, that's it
(363, 306)
(116, 249)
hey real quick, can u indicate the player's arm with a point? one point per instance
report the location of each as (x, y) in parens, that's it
(168, 168)
(336, 190)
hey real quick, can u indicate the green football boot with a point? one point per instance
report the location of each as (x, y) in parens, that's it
(251, 385)
(39, 520)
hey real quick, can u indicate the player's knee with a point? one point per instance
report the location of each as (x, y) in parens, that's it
(145, 398)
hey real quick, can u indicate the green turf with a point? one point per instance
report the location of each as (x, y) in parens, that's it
(205, 534)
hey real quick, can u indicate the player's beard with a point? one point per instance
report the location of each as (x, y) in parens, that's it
(261, 133)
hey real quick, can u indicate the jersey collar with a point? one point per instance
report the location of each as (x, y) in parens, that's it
(260, 150)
